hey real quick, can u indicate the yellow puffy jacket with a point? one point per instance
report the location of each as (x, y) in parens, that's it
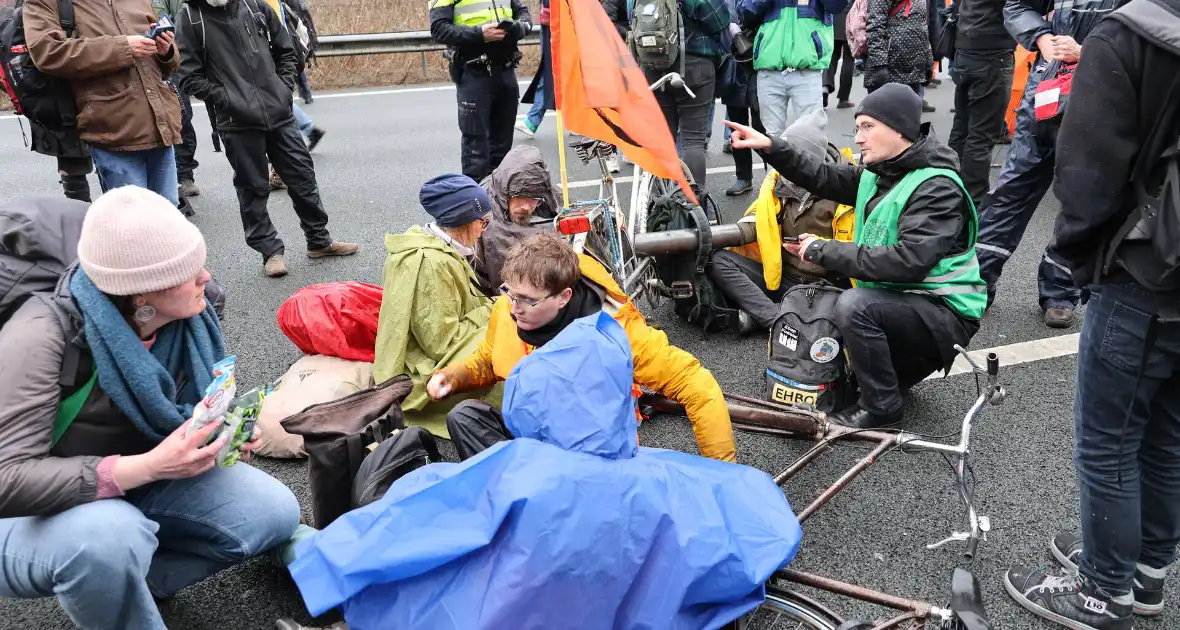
(659, 365)
(765, 211)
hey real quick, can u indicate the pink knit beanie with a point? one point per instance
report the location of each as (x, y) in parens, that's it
(135, 241)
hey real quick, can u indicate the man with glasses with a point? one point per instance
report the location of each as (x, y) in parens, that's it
(546, 287)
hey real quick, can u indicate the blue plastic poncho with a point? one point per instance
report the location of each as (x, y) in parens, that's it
(571, 525)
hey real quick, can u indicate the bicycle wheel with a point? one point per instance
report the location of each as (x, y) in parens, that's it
(787, 610)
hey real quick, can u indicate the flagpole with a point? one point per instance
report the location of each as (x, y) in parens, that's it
(565, 191)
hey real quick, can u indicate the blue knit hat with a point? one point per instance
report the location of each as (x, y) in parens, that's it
(454, 200)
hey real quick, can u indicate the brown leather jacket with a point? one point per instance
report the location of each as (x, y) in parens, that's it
(123, 102)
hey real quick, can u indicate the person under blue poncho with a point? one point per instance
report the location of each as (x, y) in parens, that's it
(570, 525)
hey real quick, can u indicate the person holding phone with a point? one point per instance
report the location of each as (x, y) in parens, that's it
(912, 258)
(481, 38)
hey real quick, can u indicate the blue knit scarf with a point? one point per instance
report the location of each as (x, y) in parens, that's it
(140, 382)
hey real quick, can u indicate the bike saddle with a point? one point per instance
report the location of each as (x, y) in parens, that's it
(967, 601)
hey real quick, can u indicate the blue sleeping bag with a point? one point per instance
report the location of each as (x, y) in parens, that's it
(571, 525)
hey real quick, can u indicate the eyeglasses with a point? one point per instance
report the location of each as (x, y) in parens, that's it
(484, 222)
(516, 300)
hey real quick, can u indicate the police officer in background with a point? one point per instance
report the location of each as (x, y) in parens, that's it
(481, 37)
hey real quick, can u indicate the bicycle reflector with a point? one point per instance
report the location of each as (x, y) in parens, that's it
(577, 224)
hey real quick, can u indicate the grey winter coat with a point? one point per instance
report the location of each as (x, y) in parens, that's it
(899, 43)
(523, 173)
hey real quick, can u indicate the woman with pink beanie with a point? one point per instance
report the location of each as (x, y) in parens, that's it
(121, 508)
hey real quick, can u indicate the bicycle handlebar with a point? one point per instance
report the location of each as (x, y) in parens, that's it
(675, 80)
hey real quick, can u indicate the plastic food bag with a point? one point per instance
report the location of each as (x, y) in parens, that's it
(218, 395)
(239, 414)
(337, 319)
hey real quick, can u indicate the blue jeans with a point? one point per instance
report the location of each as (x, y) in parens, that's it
(302, 120)
(802, 89)
(537, 111)
(1128, 465)
(106, 559)
(153, 169)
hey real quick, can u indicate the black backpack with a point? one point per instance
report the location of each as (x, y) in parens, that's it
(806, 363)
(45, 100)
(396, 455)
(696, 299)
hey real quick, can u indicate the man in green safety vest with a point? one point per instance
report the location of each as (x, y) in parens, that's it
(917, 290)
(481, 37)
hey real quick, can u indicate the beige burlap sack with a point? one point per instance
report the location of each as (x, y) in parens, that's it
(310, 381)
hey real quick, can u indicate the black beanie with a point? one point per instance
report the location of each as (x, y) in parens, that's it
(897, 106)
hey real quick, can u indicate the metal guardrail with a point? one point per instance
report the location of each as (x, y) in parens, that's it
(391, 43)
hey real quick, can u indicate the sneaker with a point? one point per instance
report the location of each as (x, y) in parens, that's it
(739, 187)
(276, 182)
(275, 266)
(313, 138)
(1059, 317)
(746, 324)
(525, 128)
(1148, 589)
(1068, 600)
(612, 162)
(845, 104)
(337, 248)
(727, 147)
(188, 188)
(927, 107)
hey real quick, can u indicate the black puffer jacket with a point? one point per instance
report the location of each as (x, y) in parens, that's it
(899, 43)
(239, 58)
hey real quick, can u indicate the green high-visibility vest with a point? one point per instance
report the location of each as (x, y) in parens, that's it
(477, 12)
(955, 278)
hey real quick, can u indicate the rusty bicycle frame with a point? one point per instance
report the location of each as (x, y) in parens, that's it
(797, 422)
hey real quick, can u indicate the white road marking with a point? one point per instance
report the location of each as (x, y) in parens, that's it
(327, 95)
(1017, 353)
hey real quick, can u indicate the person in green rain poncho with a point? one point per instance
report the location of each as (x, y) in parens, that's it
(433, 312)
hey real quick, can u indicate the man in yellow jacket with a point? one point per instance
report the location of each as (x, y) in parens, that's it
(547, 286)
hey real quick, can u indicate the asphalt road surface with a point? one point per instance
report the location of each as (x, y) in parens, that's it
(382, 145)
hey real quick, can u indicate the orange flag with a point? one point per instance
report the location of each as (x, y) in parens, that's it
(603, 94)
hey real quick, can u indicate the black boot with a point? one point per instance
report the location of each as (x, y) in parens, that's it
(858, 417)
(76, 187)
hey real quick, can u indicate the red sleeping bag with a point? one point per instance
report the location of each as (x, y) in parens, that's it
(337, 319)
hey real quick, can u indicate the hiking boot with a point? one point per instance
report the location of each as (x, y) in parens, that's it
(845, 104)
(727, 147)
(1068, 600)
(276, 182)
(1059, 317)
(313, 138)
(188, 188)
(739, 187)
(927, 107)
(186, 208)
(1148, 589)
(275, 266)
(337, 248)
(858, 417)
(826, 93)
(525, 128)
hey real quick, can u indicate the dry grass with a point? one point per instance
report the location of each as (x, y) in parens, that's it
(386, 16)
(346, 17)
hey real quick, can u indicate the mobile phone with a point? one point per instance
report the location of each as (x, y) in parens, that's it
(790, 239)
(163, 25)
(505, 24)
